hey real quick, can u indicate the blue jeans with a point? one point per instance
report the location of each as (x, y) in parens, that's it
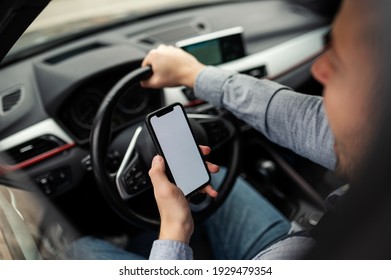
(91, 248)
(243, 226)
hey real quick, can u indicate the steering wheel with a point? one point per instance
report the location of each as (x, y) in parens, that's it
(127, 189)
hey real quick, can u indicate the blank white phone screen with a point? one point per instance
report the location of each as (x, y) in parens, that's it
(180, 150)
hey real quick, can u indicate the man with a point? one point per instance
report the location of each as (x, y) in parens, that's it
(332, 131)
(299, 122)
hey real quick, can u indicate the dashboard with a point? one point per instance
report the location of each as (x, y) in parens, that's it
(48, 101)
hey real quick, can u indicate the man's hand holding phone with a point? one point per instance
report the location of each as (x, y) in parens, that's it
(176, 220)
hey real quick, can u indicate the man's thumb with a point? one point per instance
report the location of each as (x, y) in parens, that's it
(157, 171)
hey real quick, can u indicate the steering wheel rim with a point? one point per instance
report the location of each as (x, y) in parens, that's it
(100, 141)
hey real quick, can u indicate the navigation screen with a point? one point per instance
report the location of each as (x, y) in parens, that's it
(207, 52)
(216, 48)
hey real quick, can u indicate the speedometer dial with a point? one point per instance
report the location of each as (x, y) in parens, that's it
(85, 107)
(134, 101)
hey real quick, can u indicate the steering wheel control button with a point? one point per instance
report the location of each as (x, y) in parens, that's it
(134, 179)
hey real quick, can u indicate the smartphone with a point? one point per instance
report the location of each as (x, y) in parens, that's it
(174, 139)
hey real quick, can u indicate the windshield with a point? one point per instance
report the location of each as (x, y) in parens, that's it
(62, 18)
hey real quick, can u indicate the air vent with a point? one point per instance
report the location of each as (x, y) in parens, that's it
(174, 32)
(68, 54)
(31, 149)
(10, 99)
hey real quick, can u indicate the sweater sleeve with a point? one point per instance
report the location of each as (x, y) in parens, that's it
(290, 119)
(170, 250)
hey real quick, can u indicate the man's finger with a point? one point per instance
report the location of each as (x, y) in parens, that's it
(213, 168)
(205, 150)
(156, 172)
(209, 190)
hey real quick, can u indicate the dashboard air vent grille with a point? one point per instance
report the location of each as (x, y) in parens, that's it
(31, 149)
(10, 100)
(174, 32)
(68, 54)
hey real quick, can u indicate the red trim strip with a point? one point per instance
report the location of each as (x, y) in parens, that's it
(36, 159)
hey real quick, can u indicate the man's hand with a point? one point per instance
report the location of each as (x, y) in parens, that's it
(176, 220)
(171, 67)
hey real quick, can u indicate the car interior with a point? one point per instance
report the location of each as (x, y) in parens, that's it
(74, 149)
